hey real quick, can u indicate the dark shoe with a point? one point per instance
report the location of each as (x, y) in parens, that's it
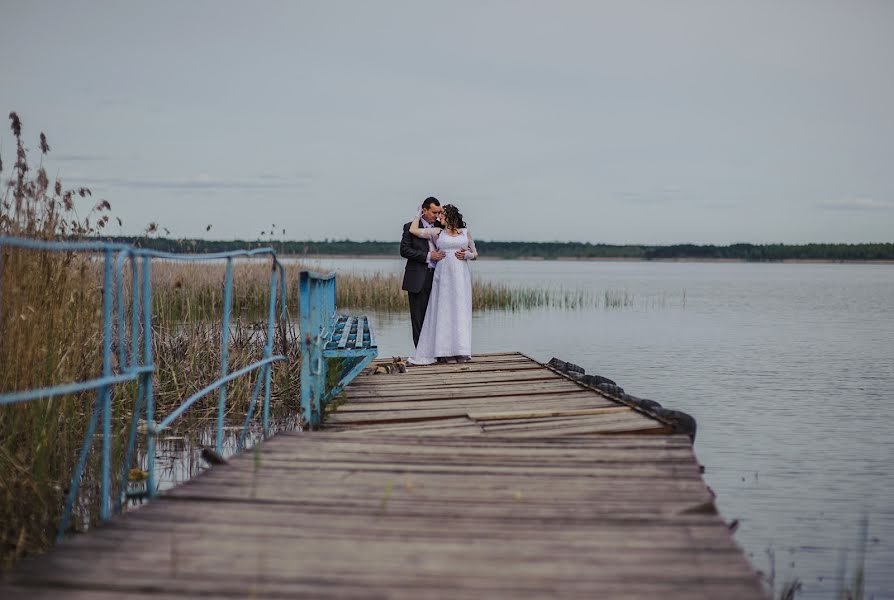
(442, 360)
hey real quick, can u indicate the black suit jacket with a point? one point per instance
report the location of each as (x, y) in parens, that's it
(415, 250)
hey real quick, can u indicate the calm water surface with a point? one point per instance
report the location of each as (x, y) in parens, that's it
(788, 369)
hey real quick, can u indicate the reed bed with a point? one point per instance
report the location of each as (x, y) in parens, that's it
(382, 292)
(51, 333)
(189, 291)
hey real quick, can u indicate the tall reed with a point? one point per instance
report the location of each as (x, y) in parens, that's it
(190, 291)
(51, 333)
(48, 335)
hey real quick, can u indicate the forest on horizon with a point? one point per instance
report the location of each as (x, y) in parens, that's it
(542, 250)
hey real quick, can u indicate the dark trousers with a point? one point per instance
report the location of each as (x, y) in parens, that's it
(418, 304)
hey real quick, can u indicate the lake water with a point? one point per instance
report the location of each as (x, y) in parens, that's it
(788, 369)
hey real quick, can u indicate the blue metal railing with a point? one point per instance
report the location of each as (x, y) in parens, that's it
(139, 365)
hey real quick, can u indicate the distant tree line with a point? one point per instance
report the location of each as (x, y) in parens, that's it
(545, 250)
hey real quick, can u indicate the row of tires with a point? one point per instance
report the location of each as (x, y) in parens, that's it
(681, 422)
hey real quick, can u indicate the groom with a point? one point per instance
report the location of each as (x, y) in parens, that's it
(420, 269)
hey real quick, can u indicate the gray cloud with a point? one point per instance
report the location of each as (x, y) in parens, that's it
(667, 117)
(859, 204)
(80, 157)
(192, 184)
(661, 195)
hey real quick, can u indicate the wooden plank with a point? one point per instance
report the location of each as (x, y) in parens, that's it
(547, 423)
(484, 404)
(300, 444)
(420, 387)
(581, 429)
(457, 424)
(196, 554)
(305, 443)
(442, 410)
(486, 397)
(345, 334)
(622, 452)
(395, 416)
(472, 367)
(464, 378)
(436, 391)
(238, 518)
(358, 341)
(372, 338)
(522, 414)
(497, 356)
(492, 359)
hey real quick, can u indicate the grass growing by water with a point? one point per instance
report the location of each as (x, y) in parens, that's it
(51, 333)
(40, 441)
(193, 292)
(851, 582)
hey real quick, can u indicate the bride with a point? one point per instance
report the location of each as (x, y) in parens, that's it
(447, 329)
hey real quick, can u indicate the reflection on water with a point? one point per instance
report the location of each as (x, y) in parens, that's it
(178, 457)
(788, 368)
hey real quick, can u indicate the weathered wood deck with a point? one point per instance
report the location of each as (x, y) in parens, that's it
(452, 481)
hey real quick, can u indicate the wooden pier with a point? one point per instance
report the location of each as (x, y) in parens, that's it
(499, 478)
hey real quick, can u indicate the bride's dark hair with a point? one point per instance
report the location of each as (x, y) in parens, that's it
(453, 219)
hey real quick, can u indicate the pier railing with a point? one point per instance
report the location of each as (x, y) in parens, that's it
(136, 362)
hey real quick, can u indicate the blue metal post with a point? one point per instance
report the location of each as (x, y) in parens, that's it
(283, 309)
(224, 354)
(307, 338)
(147, 377)
(131, 441)
(251, 409)
(1, 281)
(134, 313)
(268, 350)
(138, 402)
(284, 313)
(119, 296)
(105, 391)
(79, 471)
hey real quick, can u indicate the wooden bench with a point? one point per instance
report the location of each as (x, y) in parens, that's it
(334, 348)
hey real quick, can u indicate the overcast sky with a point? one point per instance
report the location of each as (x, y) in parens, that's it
(619, 122)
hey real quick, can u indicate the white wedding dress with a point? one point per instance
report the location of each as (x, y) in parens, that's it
(447, 328)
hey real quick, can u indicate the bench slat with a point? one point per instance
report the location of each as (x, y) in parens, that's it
(372, 339)
(345, 334)
(361, 322)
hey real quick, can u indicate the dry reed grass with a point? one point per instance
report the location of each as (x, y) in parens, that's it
(48, 313)
(51, 333)
(191, 291)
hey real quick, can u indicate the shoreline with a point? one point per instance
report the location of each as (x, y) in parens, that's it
(608, 259)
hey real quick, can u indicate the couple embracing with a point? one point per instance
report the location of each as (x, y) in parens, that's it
(437, 246)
